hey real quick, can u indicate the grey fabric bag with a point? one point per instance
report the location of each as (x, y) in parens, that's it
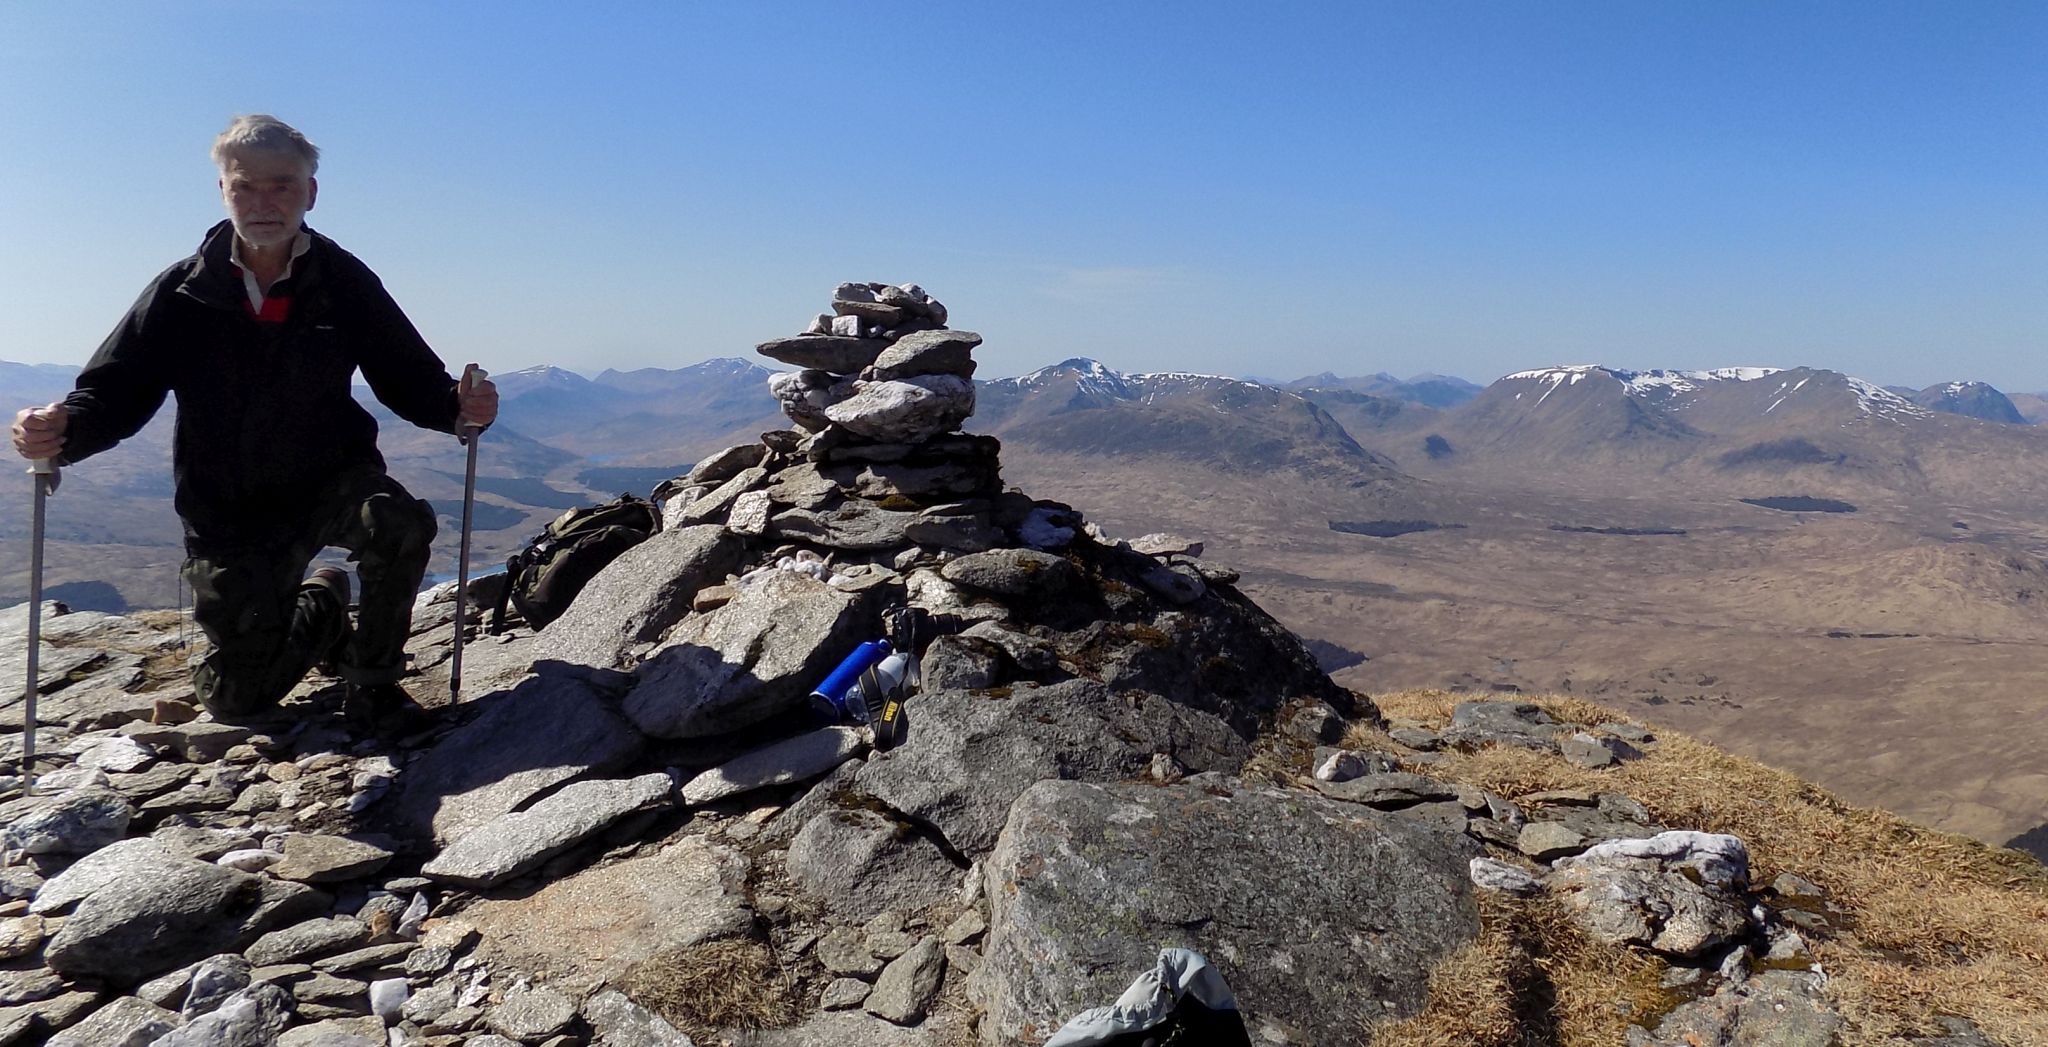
(1182, 991)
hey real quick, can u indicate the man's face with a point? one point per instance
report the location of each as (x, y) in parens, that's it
(267, 194)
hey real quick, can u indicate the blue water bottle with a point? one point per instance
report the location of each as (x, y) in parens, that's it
(829, 700)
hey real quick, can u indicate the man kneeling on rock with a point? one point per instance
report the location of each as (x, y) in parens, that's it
(259, 334)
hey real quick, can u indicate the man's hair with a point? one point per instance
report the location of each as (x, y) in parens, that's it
(266, 132)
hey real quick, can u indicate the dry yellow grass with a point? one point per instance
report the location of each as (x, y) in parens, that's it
(733, 982)
(1530, 980)
(161, 620)
(1481, 995)
(1932, 923)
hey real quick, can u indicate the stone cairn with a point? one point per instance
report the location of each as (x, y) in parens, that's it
(877, 414)
(884, 388)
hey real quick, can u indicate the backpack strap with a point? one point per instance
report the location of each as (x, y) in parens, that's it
(512, 568)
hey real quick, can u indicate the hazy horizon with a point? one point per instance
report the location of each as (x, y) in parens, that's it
(591, 374)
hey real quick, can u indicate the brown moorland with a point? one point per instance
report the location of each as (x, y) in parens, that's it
(1891, 654)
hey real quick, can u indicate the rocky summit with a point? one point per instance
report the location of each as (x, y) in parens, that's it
(638, 828)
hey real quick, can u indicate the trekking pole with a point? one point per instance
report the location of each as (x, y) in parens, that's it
(43, 474)
(470, 435)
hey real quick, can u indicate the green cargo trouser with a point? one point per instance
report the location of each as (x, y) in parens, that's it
(267, 631)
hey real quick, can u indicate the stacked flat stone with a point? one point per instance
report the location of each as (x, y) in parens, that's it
(884, 389)
(882, 365)
(886, 311)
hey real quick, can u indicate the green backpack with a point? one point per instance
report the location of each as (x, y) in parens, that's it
(544, 578)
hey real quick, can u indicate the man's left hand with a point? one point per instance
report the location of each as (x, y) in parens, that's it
(479, 404)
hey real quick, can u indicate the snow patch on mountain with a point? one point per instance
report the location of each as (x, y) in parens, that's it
(1664, 386)
(1151, 386)
(726, 365)
(542, 375)
(1875, 399)
(1092, 377)
(1640, 383)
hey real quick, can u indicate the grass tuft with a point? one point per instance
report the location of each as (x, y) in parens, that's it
(730, 983)
(1531, 979)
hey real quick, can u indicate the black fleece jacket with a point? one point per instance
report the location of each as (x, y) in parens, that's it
(265, 416)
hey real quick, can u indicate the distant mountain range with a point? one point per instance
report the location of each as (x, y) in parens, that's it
(1082, 407)
(1587, 404)
(564, 438)
(28, 384)
(1836, 435)
(650, 417)
(1429, 390)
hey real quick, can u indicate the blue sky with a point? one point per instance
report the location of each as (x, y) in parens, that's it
(1467, 188)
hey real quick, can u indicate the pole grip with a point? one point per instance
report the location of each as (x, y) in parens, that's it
(471, 375)
(46, 475)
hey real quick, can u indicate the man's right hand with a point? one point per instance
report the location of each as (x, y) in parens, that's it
(39, 431)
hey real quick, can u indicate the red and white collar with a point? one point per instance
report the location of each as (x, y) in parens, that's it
(300, 245)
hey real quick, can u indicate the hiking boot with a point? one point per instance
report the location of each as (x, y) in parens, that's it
(382, 710)
(328, 647)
